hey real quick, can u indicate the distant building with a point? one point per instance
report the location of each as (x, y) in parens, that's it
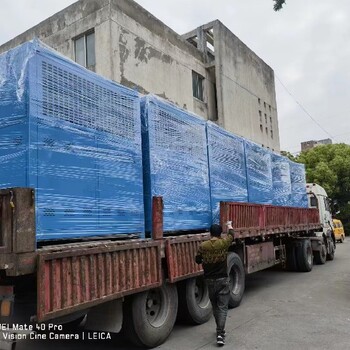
(208, 71)
(311, 144)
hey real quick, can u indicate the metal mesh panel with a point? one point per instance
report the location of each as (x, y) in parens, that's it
(82, 102)
(76, 138)
(228, 178)
(175, 165)
(282, 188)
(259, 174)
(298, 182)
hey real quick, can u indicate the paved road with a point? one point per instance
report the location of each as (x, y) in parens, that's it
(280, 310)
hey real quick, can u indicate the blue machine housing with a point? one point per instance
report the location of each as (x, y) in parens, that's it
(298, 182)
(76, 138)
(259, 173)
(282, 188)
(175, 165)
(227, 168)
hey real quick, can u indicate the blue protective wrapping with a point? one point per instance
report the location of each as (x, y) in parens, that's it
(298, 182)
(259, 173)
(76, 138)
(282, 188)
(175, 165)
(227, 168)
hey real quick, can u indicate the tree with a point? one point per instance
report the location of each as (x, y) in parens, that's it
(329, 166)
(289, 155)
(278, 4)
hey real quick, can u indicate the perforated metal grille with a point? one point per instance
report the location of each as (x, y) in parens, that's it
(175, 132)
(79, 101)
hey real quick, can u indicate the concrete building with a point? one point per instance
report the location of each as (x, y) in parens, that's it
(208, 71)
(312, 143)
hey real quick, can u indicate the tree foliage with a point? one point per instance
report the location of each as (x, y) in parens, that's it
(289, 155)
(329, 166)
(278, 4)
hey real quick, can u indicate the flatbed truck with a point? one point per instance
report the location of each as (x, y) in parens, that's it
(143, 285)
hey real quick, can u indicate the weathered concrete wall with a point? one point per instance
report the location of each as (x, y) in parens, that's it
(150, 57)
(243, 79)
(59, 30)
(132, 47)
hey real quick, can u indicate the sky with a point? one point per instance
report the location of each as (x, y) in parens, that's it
(306, 44)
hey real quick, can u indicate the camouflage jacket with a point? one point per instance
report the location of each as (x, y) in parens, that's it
(213, 255)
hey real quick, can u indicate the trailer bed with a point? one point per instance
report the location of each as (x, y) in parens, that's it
(255, 220)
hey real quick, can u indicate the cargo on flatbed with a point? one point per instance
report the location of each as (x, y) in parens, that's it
(75, 138)
(105, 198)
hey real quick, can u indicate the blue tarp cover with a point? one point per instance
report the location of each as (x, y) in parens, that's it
(298, 182)
(259, 173)
(227, 168)
(175, 165)
(282, 188)
(76, 138)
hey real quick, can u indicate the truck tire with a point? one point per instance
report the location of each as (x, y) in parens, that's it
(304, 256)
(74, 324)
(237, 279)
(331, 252)
(291, 263)
(194, 303)
(149, 317)
(320, 256)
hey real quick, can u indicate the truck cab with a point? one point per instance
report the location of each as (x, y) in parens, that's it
(317, 198)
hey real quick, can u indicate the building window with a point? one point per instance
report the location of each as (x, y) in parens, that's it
(270, 108)
(197, 86)
(259, 100)
(270, 120)
(84, 49)
(271, 134)
(261, 128)
(265, 118)
(267, 131)
(265, 105)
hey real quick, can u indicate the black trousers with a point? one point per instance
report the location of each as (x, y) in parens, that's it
(219, 295)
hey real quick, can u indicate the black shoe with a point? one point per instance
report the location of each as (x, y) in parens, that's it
(220, 340)
(222, 334)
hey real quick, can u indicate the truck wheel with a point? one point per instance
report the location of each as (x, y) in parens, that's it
(194, 304)
(304, 256)
(149, 317)
(321, 255)
(291, 263)
(331, 252)
(237, 279)
(73, 325)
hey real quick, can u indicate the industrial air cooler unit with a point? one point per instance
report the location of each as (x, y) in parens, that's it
(75, 138)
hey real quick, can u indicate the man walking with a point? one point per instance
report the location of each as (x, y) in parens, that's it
(213, 255)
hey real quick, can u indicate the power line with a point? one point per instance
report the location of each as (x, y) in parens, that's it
(304, 109)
